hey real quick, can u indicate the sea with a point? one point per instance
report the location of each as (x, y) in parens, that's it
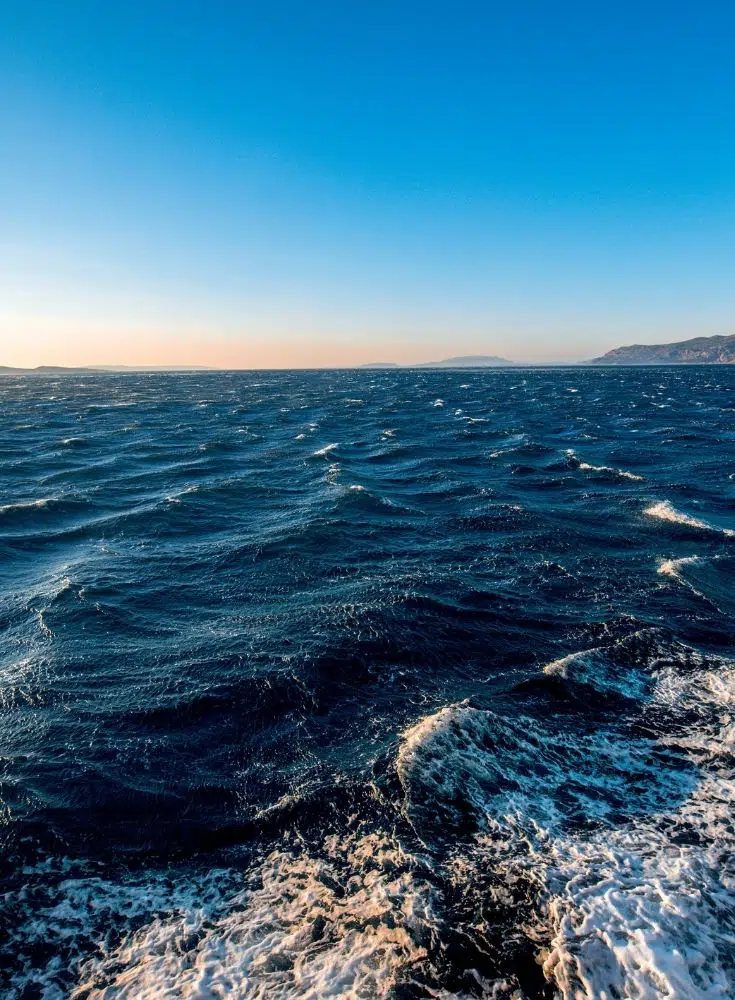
(368, 683)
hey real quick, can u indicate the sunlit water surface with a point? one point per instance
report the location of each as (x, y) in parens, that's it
(368, 684)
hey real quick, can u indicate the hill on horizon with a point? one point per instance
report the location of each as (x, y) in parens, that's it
(719, 349)
(464, 361)
(716, 349)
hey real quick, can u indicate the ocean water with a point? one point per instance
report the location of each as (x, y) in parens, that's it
(368, 684)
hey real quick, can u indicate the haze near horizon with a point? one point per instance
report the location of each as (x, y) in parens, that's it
(305, 185)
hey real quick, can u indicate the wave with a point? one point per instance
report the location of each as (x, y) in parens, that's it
(648, 910)
(22, 505)
(618, 845)
(346, 922)
(603, 470)
(622, 473)
(392, 796)
(326, 450)
(673, 567)
(709, 578)
(596, 856)
(665, 511)
(343, 925)
(176, 497)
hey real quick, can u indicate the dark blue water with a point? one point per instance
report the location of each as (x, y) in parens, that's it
(368, 684)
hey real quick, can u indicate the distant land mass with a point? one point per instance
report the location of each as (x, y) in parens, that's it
(466, 361)
(719, 349)
(469, 361)
(698, 351)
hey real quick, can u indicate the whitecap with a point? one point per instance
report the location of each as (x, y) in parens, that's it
(623, 473)
(176, 497)
(673, 567)
(324, 452)
(8, 508)
(637, 903)
(665, 511)
(605, 469)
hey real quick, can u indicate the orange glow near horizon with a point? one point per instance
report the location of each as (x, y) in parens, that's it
(141, 347)
(151, 348)
(38, 341)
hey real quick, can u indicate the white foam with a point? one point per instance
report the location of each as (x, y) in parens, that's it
(176, 497)
(324, 452)
(640, 908)
(608, 469)
(638, 904)
(594, 667)
(665, 511)
(639, 912)
(508, 767)
(623, 473)
(8, 508)
(438, 402)
(673, 567)
(341, 925)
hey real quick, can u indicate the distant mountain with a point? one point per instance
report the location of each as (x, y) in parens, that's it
(698, 351)
(469, 361)
(466, 361)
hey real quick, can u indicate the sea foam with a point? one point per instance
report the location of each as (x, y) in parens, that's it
(665, 511)
(632, 896)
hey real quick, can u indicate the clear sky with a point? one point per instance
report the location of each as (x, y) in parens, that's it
(281, 183)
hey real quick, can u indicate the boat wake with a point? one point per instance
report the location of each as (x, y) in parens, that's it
(545, 849)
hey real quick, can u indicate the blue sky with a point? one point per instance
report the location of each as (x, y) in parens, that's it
(325, 183)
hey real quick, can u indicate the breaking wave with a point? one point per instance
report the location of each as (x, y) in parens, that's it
(624, 845)
(665, 511)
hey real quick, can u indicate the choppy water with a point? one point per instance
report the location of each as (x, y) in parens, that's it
(368, 684)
